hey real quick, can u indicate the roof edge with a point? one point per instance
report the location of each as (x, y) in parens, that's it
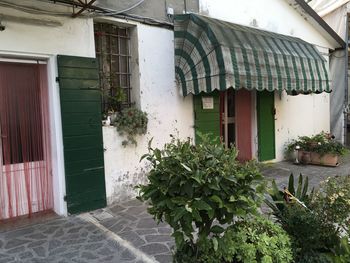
(319, 20)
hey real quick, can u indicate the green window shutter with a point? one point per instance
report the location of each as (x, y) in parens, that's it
(207, 121)
(82, 133)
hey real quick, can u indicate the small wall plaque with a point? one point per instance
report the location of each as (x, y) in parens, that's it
(208, 103)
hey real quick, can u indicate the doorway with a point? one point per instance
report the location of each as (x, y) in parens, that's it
(25, 148)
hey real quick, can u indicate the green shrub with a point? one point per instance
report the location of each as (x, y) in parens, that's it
(190, 187)
(311, 219)
(332, 202)
(253, 240)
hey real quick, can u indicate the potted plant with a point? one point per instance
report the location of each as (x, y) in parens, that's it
(320, 149)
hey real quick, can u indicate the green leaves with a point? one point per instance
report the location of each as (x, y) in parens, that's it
(132, 122)
(190, 187)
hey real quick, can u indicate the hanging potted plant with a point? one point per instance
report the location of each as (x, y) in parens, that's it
(131, 122)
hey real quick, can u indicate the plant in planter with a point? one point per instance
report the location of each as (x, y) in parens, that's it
(199, 191)
(131, 122)
(318, 149)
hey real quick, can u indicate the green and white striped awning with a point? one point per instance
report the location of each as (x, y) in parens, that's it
(216, 55)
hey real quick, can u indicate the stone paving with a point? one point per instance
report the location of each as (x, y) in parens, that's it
(280, 171)
(130, 221)
(123, 232)
(62, 240)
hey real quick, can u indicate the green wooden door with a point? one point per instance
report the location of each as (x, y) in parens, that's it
(82, 133)
(266, 125)
(207, 121)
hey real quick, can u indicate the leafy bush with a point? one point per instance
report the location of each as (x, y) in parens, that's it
(131, 122)
(256, 240)
(332, 202)
(311, 219)
(341, 253)
(190, 187)
(253, 240)
(322, 143)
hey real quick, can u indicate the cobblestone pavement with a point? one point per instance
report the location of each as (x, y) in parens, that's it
(123, 232)
(62, 240)
(130, 221)
(281, 171)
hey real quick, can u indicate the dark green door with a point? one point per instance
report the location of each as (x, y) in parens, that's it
(207, 121)
(82, 133)
(266, 125)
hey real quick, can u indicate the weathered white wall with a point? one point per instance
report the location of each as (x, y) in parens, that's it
(30, 40)
(168, 112)
(295, 115)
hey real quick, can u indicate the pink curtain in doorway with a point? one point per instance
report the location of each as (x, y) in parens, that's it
(25, 152)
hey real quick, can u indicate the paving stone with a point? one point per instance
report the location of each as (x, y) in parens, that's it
(74, 230)
(94, 246)
(165, 230)
(102, 216)
(109, 222)
(89, 256)
(59, 233)
(26, 255)
(53, 244)
(126, 255)
(118, 226)
(164, 258)
(36, 243)
(105, 251)
(15, 243)
(71, 254)
(154, 249)
(158, 238)
(40, 251)
(133, 202)
(133, 238)
(142, 232)
(135, 211)
(117, 209)
(147, 223)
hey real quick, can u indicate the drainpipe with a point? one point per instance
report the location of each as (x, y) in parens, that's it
(346, 99)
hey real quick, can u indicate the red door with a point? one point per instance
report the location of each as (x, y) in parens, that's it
(25, 153)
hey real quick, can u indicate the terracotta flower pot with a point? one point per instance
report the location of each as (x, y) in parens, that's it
(326, 159)
(304, 157)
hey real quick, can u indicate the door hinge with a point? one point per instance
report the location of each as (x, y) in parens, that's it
(65, 198)
(57, 79)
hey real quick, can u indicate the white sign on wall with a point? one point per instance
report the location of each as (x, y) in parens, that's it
(208, 103)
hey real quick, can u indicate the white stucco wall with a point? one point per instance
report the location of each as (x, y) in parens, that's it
(153, 88)
(295, 115)
(25, 40)
(168, 112)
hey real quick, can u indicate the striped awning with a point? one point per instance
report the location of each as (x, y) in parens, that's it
(216, 55)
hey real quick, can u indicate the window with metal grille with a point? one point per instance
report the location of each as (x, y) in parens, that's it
(113, 54)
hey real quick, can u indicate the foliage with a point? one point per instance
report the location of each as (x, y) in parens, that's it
(315, 221)
(253, 240)
(131, 122)
(341, 253)
(322, 143)
(190, 187)
(332, 203)
(312, 239)
(281, 200)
